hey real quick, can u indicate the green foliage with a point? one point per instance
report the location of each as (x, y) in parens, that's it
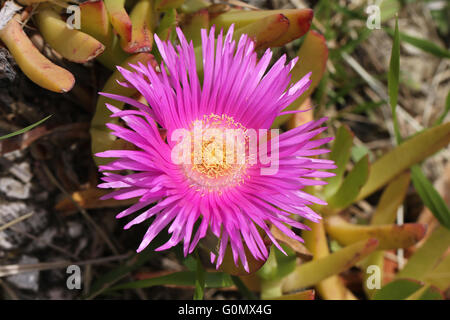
(351, 185)
(425, 189)
(430, 197)
(425, 45)
(340, 154)
(199, 280)
(283, 273)
(24, 129)
(182, 278)
(404, 289)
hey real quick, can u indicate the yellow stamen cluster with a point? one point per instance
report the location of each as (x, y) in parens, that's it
(212, 169)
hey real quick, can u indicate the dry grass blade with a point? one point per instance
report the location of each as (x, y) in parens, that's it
(17, 220)
(13, 269)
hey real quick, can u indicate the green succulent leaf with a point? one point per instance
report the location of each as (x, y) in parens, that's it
(166, 27)
(265, 31)
(440, 275)
(391, 199)
(427, 256)
(168, 4)
(311, 273)
(191, 28)
(340, 154)
(101, 138)
(385, 213)
(278, 265)
(410, 152)
(403, 289)
(299, 22)
(390, 236)
(351, 185)
(191, 6)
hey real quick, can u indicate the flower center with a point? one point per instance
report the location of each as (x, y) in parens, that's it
(218, 157)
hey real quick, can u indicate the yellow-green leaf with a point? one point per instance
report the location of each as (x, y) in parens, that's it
(404, 156)
(299, 21)
(313, 272)
(351, 185)
(264, 31)
(340, 154)
(392, 197)
(403, 288)
(390, 236)
(101, 138)
(427, 256)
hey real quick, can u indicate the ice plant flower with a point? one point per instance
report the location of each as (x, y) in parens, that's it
(235, 201)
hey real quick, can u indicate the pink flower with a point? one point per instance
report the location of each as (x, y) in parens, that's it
(231, 199)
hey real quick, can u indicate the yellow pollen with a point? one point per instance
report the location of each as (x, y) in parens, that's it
(215, 164)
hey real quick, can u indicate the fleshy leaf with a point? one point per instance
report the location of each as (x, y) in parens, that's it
(101, 138)
(440, 276)
(299, 22)
(32, 62)
(331, 288)
(166, 27)
(313, 272)
(72, 44)
(385, 213)
(403, 288)
(168, 4)
(340, 154)
(392, 197)
(119, 18)
(351, 185)
(193, 24)
(265, 31)
(95, 22)
(404, 156)
(427, 256)
(143, 19)
(390, 236)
